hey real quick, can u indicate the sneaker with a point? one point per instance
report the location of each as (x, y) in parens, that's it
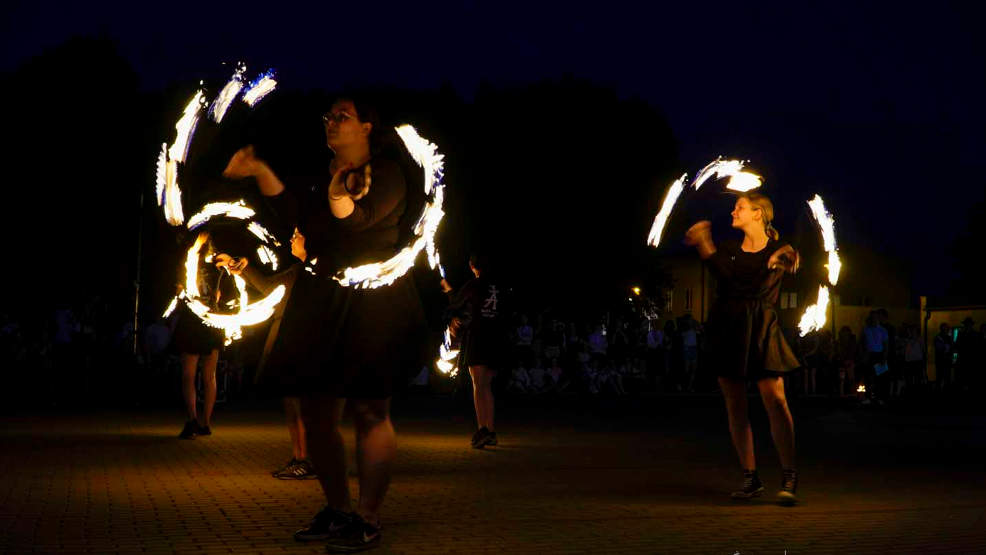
(293, 461)
(190, 430)
(491, 439)
(479, 438)
(203, 430)
(300, 470)
(752, 486)
(789, 487)
(359, 535)
(327, 523)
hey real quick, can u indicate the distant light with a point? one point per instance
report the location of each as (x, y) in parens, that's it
(636, 291)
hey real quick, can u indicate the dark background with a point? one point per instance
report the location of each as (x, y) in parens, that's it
(561, 125)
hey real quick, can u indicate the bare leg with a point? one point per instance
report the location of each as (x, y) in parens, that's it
(296, 428)
(734, 391)
(482, 395)
(321, 415)
(189, 363)
(209, 385)
(781, 422)
(376, 447)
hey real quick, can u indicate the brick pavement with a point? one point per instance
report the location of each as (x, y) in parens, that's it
(570, 480)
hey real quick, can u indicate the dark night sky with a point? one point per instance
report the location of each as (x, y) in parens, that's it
(881, 109)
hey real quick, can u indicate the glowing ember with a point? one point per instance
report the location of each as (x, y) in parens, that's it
(226, 96)
(238, 210)
(814, 316)
(379, 274)
(259, 88)
(861, 389)
(826, 224)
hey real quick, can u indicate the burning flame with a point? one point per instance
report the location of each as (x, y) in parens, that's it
(171, 308)
(739, 180)
(826, 224)
(259, 88)
(814, 316)
(661, 220)
(267, 256)
(377, 274)
(238, 210)
(226, 96)
(861, 389)
(168, 192)
(447, 356)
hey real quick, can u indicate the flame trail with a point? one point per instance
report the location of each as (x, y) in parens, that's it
(814, 316)
(226, 96)
(447, 356)
(826, 225)
(259, 88)
(238, 210)
(378, 274)
(739, 180)
(661, 220)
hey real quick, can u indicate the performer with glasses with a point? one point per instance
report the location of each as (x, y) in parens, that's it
(340, 343)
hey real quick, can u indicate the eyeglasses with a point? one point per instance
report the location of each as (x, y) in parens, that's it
(337, 117)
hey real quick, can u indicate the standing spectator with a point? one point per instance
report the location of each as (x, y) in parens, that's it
(672, 346)
(943, 357)
(524, 342)
(598, 345)
(846, 358)
(967, 349)
(914, 358)
(876, 343)
(655, 353)
(689, 345)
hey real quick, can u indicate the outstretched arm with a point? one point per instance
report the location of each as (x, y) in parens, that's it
(245, 164)
(700, 237)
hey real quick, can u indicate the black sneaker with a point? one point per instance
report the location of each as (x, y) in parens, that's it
(752, 486)
(479, 438)
(293, 461)
(359, 535)
(789, 487)
(190, 430)
(203, 430)
(491, 439)
(300, 470)
(327, 523)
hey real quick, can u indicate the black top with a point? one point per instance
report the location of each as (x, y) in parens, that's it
(744, 275)
(479, 304)
(369, 234)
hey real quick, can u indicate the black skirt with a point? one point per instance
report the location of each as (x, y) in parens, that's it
(345, 342)
(192, 336)
(485, 347)
(745, 340)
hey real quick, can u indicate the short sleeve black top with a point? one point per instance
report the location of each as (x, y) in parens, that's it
(744, 275)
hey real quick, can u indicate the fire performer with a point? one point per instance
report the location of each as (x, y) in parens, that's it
(196, 341)
(745, 338)
(477, 308)
(337, 343)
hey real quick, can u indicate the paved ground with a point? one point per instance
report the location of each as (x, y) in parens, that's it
(650, 475)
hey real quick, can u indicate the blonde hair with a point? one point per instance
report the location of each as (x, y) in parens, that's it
(762, 203)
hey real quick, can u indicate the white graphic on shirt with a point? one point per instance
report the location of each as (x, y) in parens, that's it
(489, 305)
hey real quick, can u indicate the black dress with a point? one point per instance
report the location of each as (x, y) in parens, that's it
(192, 335)
(744, 332)
(339, 340)
(479, 304)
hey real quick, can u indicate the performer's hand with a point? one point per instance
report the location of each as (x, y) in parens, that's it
(348, 183)
(235, 266)
(699, 233)
(337, 188)
(785, 258)
(298, 246)
(244, 164)
(445, 285)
